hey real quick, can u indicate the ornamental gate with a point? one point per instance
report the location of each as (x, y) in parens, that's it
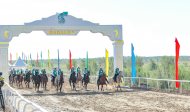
(61, 24)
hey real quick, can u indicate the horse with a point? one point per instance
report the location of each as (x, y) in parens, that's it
(11, 78)
(86, 80)
(59, 82)
(119, 80)
(37, 81)
(19, 80)
(27, 79)
(72, 80)
(53, 80)
(44, 80)
(102, 81)
(79, 78)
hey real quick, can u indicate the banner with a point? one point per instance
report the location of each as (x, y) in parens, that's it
(107, 62)
(177, 48)
(133, 64)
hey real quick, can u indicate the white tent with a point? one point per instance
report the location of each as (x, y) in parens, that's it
(19, 64)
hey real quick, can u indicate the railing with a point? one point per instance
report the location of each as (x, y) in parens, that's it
(167, 85)
(17, 103)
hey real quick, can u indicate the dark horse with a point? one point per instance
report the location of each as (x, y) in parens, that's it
(72, 80)
(79, 79)
(27, 79)
(86, 80)
(44, 80)
(19, 80)
(37, 80)
(59, 82)
(11, 78)
(102, 81)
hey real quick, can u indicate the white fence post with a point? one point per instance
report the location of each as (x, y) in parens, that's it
(13, 100)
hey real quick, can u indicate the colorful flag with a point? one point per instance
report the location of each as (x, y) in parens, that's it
(58, 59)
(49, 63)
(30, 58)
(22, 56)
(177, 48)
(107, 63)
(26, 59)
(10, 58)
(86, 64)
(70, 59)
(37, 60)
(41, 60)
(133, 64)
(16, 56)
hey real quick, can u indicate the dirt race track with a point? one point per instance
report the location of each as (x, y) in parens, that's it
(107, 101)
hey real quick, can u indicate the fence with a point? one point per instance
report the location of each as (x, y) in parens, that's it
(167, 85)
(17, 103)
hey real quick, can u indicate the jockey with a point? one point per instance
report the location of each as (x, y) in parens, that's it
(14, 72)
(33, 71)
(26, 71)
(59, 72)
(18, 72)
(44, 71)
(116, 74)
(100, 73)
(78, 70)
(72, 71)
(36, 72)
(85, 72)
(54, 73)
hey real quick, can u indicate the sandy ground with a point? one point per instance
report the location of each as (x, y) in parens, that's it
(108, 101)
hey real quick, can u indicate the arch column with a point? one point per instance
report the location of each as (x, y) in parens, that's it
(118, 54)
(4, 58)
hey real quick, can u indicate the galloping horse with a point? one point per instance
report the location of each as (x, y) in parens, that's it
(72, 80)
(79, 78)
(86, 80)
(37, 80)
(59, 82)
(27, 78)
(44, 79)
(119, 80)
(11, 78)
(19, 80)
(102, 81)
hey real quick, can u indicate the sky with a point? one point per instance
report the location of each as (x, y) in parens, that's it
(151, 25)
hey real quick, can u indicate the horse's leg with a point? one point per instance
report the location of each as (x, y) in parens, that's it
(38, 86)
(101, 87)
(45, 85)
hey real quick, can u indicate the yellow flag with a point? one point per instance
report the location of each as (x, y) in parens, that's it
(16, 56)
(49, 63)
(107, 62)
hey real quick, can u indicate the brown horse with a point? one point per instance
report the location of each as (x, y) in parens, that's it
(27, 79)
(119, 80)
(11, 79)
(102, 81)
(37, 81)
(79, 79)
(19, 80)
(72, 81)
(86, 80)
(59, 82)
(44, 80)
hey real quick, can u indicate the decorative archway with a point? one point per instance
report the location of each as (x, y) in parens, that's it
(61, 24)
